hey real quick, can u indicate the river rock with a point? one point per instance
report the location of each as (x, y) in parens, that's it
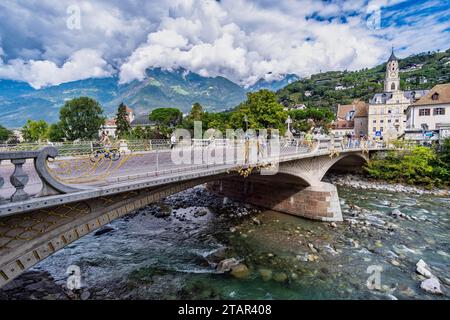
(423, 269)
(201, 213)
(226, 264)
(312, 257)
(353, 243)
(240, 271)
(395, 262)
(85, 295)
(407, 291)
(256, 221)
(266, 274)
(280, 277)
(328, 248)
(312, 248)
(431, 285)
(396, 213)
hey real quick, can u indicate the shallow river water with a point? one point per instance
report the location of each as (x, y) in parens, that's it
(153, 255)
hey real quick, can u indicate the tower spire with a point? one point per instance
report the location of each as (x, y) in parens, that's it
(392, 57)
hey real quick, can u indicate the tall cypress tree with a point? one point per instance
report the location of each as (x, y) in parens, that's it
(123, 126)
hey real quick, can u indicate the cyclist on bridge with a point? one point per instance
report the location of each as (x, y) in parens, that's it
(104, 140)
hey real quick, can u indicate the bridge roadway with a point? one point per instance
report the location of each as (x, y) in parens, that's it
(57, 200)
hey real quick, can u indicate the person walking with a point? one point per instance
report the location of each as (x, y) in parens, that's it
(173, 140)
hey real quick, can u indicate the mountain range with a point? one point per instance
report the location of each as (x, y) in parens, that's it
(160, 88)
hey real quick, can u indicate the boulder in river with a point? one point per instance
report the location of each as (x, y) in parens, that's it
(312, 248)
(227, 264)
(424, 269)
(85, 295)
(266, 274)
(397, 213)
(431, 285)
(280, 277)
(240, 271)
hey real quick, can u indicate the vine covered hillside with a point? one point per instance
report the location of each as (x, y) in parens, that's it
(421, 71)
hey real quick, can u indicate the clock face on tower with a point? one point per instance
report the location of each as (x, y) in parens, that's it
(393, 71)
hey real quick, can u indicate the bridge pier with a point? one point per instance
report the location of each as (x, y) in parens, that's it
(317, 202)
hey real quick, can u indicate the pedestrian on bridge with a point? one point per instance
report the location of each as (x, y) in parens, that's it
(173, 140)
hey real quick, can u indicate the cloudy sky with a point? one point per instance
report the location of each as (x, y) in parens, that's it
(48, 42)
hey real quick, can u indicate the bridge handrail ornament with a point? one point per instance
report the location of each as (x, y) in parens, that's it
(19, 178)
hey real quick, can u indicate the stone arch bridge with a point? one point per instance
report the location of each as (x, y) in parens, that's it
(51, 201)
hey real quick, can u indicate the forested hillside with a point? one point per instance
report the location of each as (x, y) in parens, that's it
(421, 71)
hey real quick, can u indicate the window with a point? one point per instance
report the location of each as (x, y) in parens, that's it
(393, 86)
(389, 121)
(435, 96)
(424, 112)
(381, 129)
(438, 111)
(374, 129)
(374, 121)
(381, 121)
(396, 120)
(389, 111)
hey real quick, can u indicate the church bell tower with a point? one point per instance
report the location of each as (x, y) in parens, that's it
(392, 80)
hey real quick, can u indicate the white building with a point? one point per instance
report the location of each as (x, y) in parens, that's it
(110, 126)
(428, 119)
(387, 118)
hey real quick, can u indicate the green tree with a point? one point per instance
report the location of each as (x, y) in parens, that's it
(35, 130)
(305, 119)
(167, 117)
(55, 133)
(419, 165)
(5, 134)
(262, 111)
(81, 118)
(139, 133)
(196, 114)
(122, 121)
(444, 155)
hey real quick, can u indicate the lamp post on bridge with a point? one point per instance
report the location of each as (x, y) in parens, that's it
(246, 122)
(246, 140)
(288, 132)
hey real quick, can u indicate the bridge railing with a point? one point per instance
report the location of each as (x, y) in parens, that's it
(19, 178)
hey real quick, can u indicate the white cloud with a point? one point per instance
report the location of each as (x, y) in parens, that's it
(83, 64)
(243, 40)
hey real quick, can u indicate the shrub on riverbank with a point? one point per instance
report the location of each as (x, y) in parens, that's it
(418, 166)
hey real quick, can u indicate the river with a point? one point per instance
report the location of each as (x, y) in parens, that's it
(170, 251)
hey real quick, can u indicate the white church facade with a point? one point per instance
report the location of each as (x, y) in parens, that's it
(386, 118)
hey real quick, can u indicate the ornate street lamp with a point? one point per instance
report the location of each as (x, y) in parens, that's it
(288, 122)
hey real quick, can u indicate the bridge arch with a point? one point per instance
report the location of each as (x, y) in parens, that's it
(348, 162)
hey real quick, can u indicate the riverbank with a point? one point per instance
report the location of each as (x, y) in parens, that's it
(173, 249)
(359, 181)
